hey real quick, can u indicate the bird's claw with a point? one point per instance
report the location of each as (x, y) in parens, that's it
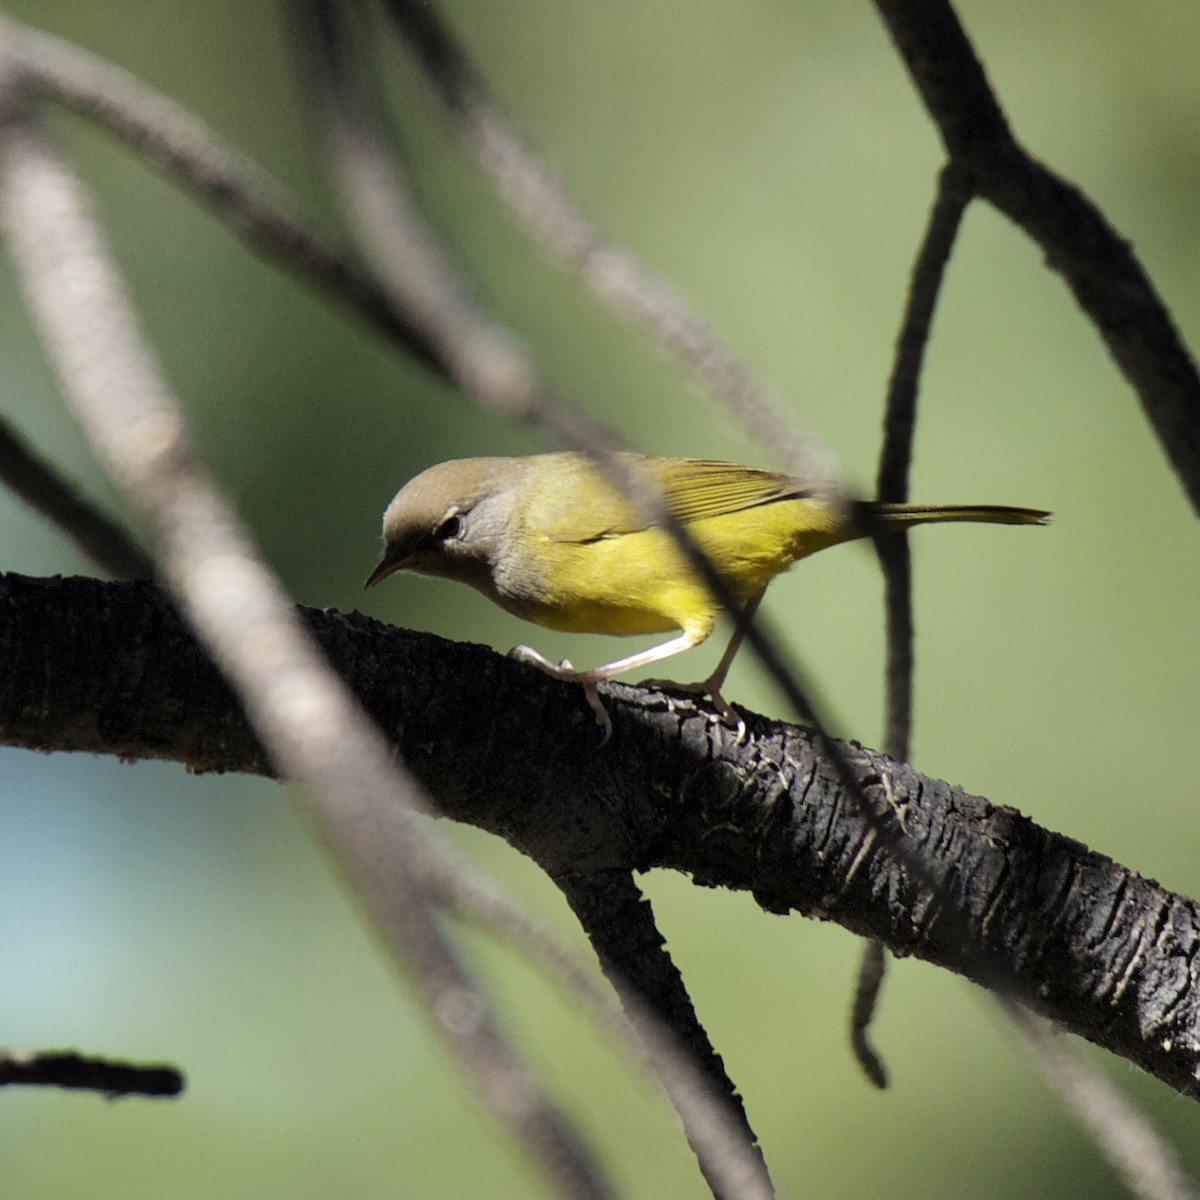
(710, 689)
(592, 696)
(565, 670)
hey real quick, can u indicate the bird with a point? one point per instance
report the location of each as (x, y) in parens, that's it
(550, 539)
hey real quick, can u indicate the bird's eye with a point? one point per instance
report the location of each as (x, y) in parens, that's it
(451, 527)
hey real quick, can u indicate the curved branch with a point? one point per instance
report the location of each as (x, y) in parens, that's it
(1098, 264)
(895, 455)
(1114, 957)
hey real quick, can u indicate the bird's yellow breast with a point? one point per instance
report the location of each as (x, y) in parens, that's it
(638, 581)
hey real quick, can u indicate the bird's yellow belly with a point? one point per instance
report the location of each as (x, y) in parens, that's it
(639, 582)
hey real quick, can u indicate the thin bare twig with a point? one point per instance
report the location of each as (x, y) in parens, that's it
(72, 1070)
(872, 969)
(557, 223)
(360, 806)
(96, 535)
(895, 455)
(1138, 1153)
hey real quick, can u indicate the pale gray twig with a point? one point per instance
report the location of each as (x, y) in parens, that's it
(1136, 1151)
(362, 808)
(243, 196)
(557, 223)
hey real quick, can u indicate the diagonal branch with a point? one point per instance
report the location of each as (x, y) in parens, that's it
(1092, 945)
(43, 488)
(633, 954)
(235, 189)
(360, 806)
(558, 224)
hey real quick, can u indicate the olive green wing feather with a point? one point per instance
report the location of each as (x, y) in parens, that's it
(693, 489)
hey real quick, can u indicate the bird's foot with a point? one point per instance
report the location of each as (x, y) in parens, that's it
(709, 688)
(563, 669)
(566, 671)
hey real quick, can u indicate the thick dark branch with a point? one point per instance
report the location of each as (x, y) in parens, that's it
(108, 668)
(1098, 264)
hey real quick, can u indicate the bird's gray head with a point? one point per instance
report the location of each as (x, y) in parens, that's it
(450, 521)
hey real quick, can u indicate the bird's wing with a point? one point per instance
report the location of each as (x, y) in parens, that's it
(696, 488)
(692, 489)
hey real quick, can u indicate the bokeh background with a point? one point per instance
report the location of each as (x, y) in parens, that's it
(773, 159)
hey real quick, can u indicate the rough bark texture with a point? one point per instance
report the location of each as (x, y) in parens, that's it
(109, 668)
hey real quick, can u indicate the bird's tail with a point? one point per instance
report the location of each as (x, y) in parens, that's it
(876, 519)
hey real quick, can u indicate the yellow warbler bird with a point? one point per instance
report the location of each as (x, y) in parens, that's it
(549, 539)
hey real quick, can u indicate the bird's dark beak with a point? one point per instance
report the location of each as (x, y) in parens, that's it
(391, 561)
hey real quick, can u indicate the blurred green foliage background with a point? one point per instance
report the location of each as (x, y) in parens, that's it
(773, 159)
